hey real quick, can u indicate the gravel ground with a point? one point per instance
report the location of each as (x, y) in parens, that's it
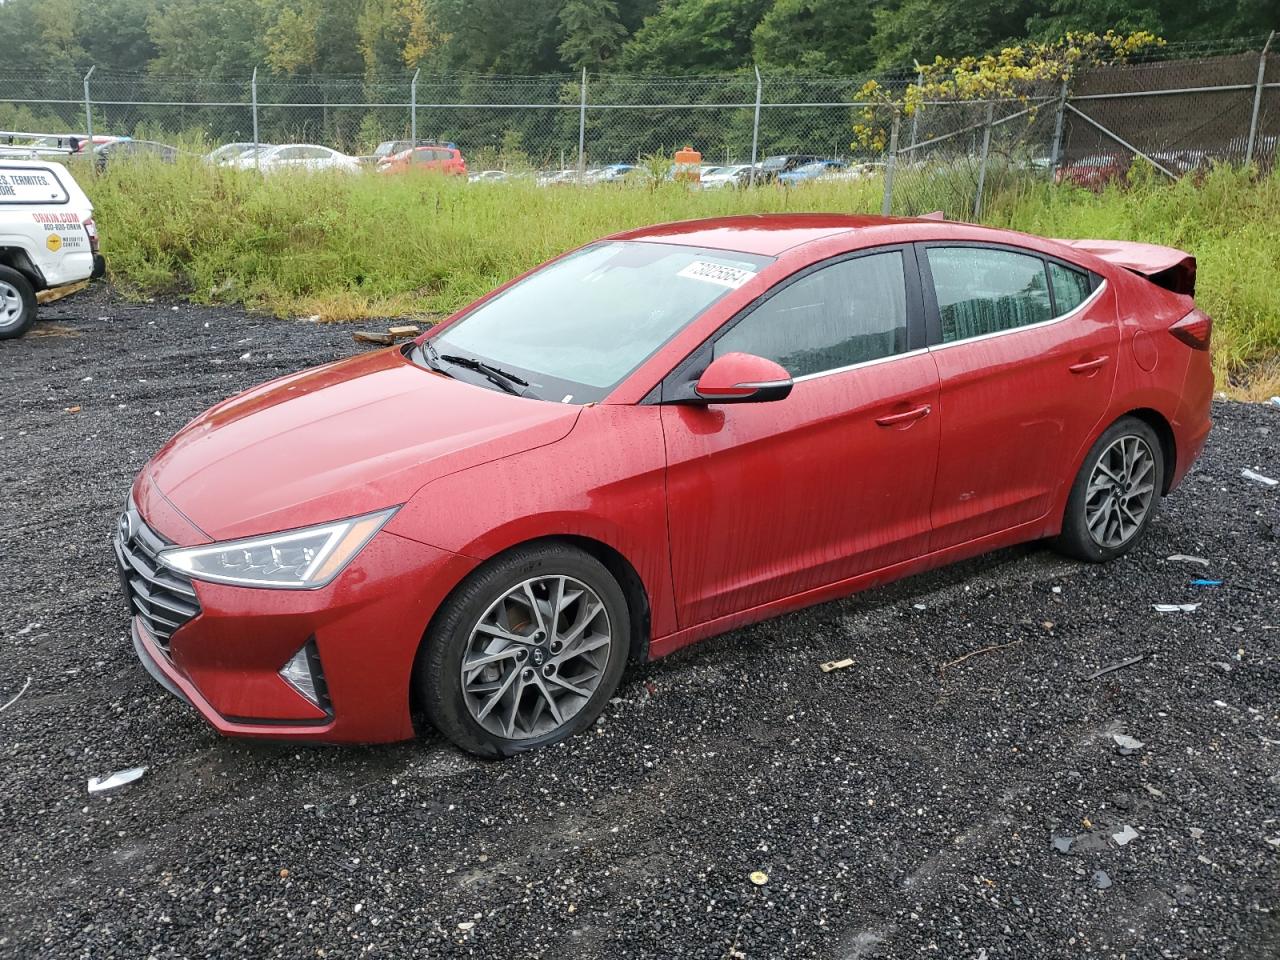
(899, 809)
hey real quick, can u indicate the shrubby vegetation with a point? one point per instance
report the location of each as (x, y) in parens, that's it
(350, 247)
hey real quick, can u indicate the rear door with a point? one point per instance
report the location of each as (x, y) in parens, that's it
(768, 500)
(1026, 350)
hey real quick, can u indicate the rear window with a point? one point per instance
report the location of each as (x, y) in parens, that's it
(31, 185)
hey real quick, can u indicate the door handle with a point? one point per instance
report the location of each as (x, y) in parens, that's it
(893, 419)
(1088, 366)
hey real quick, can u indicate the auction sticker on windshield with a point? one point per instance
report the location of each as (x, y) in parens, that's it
(30, 185)
(718, 273)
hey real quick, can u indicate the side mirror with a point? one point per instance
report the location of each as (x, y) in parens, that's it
(742, 378)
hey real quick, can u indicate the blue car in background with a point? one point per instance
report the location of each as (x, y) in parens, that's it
(810, 171)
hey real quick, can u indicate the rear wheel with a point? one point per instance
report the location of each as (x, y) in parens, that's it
(17, 304)
(1116, 493)
(526, 652)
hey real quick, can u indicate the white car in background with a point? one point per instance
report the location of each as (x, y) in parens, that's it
(306, 157)
(718, 178)
(48, 240)
(229, 152)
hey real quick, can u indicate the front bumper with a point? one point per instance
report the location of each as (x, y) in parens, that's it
(366, 627)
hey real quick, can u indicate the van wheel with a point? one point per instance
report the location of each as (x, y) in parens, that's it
(1116, 493)
(17, 304)
(526, 652)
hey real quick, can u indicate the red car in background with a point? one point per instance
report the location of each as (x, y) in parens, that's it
(439, 155)
(1093, 172)
(655, 438)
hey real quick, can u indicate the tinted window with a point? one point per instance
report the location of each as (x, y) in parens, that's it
(982, 290)
(849, 312)
(1070, 287)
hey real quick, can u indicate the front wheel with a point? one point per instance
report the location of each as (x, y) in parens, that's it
(1116, 493)
(17, 304)
(526, 652)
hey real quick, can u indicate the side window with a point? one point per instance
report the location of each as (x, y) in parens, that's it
(290, 153)
(983, 290)
(1070, 287)
(847, 313)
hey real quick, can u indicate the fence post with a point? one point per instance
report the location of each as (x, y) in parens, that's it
(886, 204)
(915, 114)
(253, 99)
(1257, 98)
(413, 108)
(982, 162)
(88, 114)
(582, 130)
(755, 128)
(1055, 154)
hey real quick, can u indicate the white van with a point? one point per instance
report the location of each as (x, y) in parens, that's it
(48, 240)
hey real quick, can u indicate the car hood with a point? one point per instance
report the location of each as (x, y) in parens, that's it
(340, 440)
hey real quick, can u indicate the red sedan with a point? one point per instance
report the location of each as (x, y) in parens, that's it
(653, 439)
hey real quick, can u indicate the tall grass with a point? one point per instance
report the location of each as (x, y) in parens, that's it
(346, 247)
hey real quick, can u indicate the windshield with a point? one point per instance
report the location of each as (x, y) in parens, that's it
(577, 327)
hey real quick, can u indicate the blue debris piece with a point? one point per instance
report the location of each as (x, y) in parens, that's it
(1206, 583)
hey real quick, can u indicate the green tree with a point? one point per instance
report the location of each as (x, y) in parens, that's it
(592, 32)
(826, 36)
(695, 36)
(208, 37)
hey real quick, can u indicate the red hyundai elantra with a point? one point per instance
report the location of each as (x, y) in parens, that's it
(655, 438)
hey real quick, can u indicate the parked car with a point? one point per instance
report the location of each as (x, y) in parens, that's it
(48, 240)
(108, 153)
(658, 437)
(717, 178)
(769, 168)
(228, 152)
(810, 171)
(298, 157)
(389, 148)
(489, 176)
(439, 156)
(1093, 172)
(559, 177)
(613, 173)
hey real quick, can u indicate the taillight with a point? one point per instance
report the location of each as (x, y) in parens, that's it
(91, 229)
(1194, 330)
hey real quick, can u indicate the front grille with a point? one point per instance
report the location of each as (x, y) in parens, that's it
(164, 598)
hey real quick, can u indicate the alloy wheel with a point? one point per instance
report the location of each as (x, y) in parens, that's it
(10, 305)
(1120, 492)
(535, 657)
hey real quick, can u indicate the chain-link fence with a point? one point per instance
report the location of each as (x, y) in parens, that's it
(1178, 114)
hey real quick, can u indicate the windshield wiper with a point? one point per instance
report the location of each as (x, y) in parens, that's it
(495, 375)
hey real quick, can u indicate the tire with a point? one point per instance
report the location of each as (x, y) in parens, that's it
(1113, 501)
(17, 304)
(483, 618)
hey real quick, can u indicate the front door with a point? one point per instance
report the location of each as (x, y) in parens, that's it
(768, 500)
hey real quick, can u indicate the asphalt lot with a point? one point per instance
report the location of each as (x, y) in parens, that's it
(899, 809)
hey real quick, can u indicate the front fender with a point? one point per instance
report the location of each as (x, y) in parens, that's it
(604, 481)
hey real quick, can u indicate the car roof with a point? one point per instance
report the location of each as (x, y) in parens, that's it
(765, 234)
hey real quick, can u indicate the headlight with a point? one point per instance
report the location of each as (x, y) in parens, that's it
(292, 560)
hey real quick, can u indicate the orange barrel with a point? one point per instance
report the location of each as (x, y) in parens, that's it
(688, 165)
